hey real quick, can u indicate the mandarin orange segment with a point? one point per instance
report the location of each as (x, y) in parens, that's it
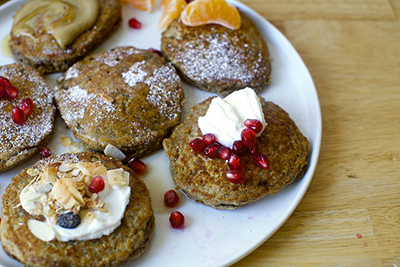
(220, 12)
(171, 10)
(145, 5)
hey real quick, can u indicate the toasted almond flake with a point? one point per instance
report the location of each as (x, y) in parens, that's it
(65, 192)
(30, 194)
(49, 174)
(116, 177)
(44, 188)
(66, 141)
(66, 167)
(33, 172)
(112, 151)
(41, 230)
(107, 98)
(75, 172)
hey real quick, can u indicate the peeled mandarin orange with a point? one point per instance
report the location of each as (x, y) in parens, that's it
(171, 10)
(145, 5)
(220, 12)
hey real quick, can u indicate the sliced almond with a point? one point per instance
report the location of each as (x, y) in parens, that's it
(49, 174)
(44, 188)
(65, 192)
(33, 172)
(107, 98)
(41, 230)
(66, 167)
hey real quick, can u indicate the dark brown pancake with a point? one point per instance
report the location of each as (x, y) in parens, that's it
(44, 54)
(20, 142)
(217, 59)
(127, 97)
(126, 242)
(203, 179)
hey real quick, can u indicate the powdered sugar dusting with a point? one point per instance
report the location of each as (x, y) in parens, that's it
(72, 72)
(115, 55)
(135, 74)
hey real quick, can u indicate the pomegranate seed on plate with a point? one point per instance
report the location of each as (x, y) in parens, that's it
(27, 106)
(234, 163)
(255, 125)
(171, 198)
(249, 137)
(44, 152)
(18, 115)
(97, 185)
(261, 160)
(224, 152)
(11, 92)
(155, 51)
(196, 145)
(2, 91)
(238, 147)
(209, 139)
(212, 150)
(134, 23)
(236, 176)
(137, 166)
(177, 220)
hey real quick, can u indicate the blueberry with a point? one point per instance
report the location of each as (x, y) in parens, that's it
(69, 220)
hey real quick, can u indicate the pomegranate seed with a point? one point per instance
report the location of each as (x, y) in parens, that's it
(254, 149)
(212, 150)
(236, 176)
(97, 185)
(238, 147)
(27, 106)
(155, 51)
(177, 220)
(137, 166)
(189, 1)
(134, 23)
(44, 152)
(261, 160)
(4, 81)
(249, 137)
(171, 198)
(224, 152)
(11, 92)
(196, 145)
(234, 163)
(209, 139)
(255, 125)
(18, 115)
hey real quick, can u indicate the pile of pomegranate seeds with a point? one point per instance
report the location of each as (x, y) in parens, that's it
(177, 220)
(134, 23)
(44, 152)
(248, 144)
(97, 185)
(9, 92)
(137, 166)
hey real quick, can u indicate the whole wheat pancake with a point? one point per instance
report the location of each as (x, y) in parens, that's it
(126, 97)
(217, 59)
(19, 142)
(126, 242)
(42, 52)
(203, 179)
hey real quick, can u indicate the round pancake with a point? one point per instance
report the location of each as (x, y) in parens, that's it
(44, 54)
(126, 242)
(127, 97)
(20, 142)
(203, 179)
(216, 59)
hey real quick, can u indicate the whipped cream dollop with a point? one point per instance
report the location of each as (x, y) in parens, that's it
(225, 116)
(100, 213)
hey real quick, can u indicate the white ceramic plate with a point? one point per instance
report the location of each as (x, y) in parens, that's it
(211, 237)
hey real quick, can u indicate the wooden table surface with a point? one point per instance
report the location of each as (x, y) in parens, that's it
(350, 215)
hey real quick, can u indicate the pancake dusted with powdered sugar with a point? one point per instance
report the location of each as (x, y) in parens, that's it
(18, 142)
(126, 97)
(217, 59)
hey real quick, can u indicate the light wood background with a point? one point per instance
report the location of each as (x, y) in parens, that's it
(350, 215)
